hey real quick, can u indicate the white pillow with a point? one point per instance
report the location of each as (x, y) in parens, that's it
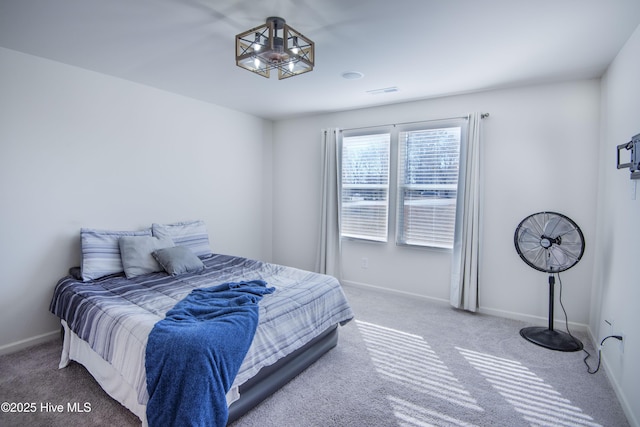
(101, 252)
(135, 252)
(192, 234)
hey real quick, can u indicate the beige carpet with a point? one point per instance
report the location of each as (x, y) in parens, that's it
(404, 362)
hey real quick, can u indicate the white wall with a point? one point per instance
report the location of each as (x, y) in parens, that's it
(540, 153)
(616, 278)
(80, 149)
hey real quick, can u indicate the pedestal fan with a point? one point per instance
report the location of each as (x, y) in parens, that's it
(549, 242)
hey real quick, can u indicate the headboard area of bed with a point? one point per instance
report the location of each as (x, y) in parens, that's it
(107, 252)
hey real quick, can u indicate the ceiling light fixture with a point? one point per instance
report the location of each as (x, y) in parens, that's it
(274, 45)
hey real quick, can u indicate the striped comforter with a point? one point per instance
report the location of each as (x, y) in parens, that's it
(114, 315)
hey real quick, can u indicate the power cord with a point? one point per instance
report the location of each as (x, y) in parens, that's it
(566, 321)
(618, 337)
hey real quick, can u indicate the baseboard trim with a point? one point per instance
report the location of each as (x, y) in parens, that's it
(393, 291)
(535, 320)
(28, 342)
(626, 406)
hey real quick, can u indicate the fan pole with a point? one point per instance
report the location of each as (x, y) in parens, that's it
(552, 282)
(547, 337)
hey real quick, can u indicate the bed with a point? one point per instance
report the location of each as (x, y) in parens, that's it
(107, 320)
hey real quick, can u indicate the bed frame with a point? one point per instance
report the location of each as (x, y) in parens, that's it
(271, 378)
(268, 380)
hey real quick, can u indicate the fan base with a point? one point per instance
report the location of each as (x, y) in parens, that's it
(551, 339)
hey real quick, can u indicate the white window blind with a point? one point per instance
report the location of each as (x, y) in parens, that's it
(428, 161)
(365, 187)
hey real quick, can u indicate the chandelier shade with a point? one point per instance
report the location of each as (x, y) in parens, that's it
(274, 45)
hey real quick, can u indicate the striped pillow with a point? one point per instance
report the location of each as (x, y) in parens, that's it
(192, 234)
(101, 252)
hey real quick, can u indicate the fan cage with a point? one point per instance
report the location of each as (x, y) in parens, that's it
(549, 242)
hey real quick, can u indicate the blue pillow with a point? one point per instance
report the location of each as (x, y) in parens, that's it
(178, 260)
(101, 252)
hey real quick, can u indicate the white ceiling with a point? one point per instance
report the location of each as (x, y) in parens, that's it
(427, 48)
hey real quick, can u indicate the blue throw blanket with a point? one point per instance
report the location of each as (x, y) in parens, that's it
(194, 354)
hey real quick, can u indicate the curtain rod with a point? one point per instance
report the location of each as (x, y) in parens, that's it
(482, 116)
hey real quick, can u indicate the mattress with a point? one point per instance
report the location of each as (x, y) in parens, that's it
(115, 315)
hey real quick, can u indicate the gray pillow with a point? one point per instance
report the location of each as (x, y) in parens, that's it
(178, 260)
(136, 254)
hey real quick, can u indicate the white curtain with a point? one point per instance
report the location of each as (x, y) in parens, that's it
(328, 256)
(466, 241)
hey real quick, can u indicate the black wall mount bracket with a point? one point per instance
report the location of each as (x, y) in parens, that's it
(633, 165)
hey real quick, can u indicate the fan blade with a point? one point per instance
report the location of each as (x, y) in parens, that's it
(557, 258)
(556, 226)
(527, 235)
(539, 258)
(571, 255)
(537, 224)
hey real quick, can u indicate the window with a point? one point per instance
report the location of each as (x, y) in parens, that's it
(428, 160)
(424, 185)
(365, 186)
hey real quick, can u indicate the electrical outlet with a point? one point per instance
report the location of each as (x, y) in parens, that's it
(364, 262)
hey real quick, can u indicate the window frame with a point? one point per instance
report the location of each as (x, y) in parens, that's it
(394, 214)
(385, 187)
(431, 241)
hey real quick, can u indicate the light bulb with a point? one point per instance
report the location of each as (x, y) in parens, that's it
(256, 62)
(290, 65)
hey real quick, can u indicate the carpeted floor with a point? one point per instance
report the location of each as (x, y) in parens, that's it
(404, 362)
